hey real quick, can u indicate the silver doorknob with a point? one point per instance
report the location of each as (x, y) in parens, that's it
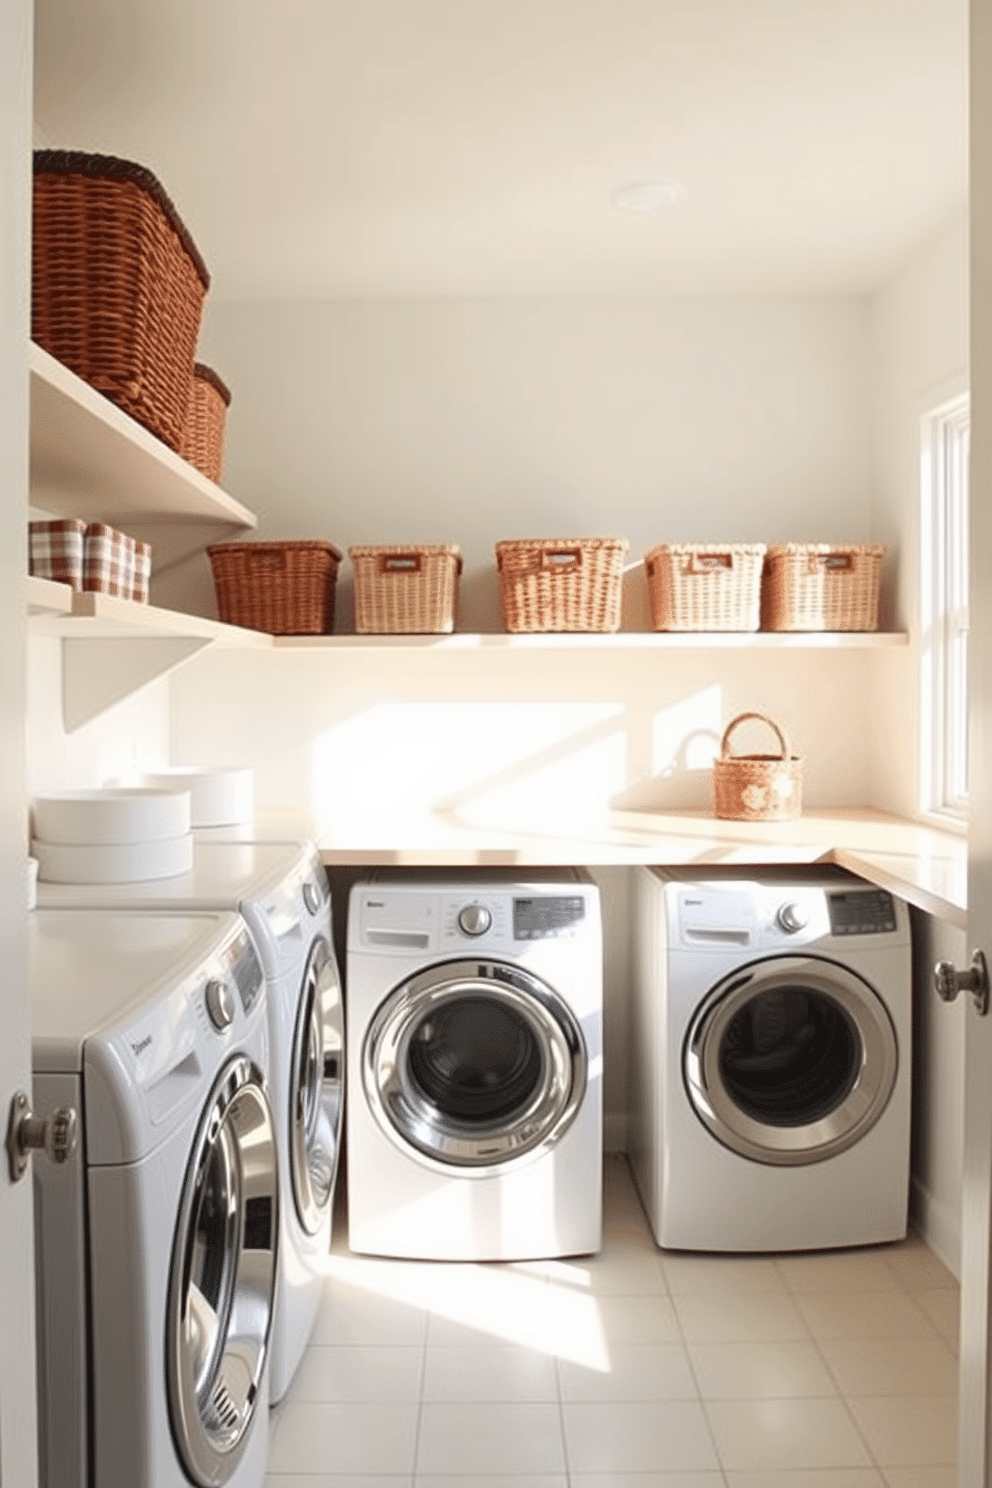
(55, 1135)
(949, 981)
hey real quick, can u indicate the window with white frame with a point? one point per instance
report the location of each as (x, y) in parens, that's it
(944, 608)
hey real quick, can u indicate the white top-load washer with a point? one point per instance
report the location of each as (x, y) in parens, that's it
(157, 1241)
(475, 1065)
(771, 1032)
(281, 890)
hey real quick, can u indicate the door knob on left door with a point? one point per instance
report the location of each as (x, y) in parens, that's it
(948, 981)
(26, 1133)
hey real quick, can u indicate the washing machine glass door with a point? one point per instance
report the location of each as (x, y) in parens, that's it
(474, 1063)
(791, 1060)
(222, 1280)
(316, 1088)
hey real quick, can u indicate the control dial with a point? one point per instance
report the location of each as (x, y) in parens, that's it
(474, 919)
(220, 1003)
(311, 895)
(792, 917)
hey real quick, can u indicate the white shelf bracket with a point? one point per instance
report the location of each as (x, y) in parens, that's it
(100, 671)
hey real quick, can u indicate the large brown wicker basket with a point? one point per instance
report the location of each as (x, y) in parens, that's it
(757, 787)
(285, 588)
(406, 590)
(822, 586)
(118, 285)
(202, 442)
(705, 586)
(561, 584)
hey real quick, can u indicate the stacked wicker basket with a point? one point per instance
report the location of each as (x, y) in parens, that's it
(118, 289)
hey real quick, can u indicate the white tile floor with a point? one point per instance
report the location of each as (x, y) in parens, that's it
(631, 1369)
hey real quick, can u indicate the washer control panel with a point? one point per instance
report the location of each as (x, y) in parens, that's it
(861, 912)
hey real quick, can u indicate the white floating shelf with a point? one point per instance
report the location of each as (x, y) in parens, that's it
(614, 641)
(45, 597)
(89, 459)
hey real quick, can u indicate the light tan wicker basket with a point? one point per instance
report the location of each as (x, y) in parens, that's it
(285, 588)
(561, 584)
(757, 787)
(406, 590)
(705, 586)
(822, 586)
(202, 442)
(117, 285)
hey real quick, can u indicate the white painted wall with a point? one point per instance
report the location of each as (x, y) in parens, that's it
(918, 351)
(674, 419)
(132, 735)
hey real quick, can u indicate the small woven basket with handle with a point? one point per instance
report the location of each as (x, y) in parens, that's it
(757, 787)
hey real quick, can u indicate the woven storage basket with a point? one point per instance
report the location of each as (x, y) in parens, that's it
(705, 586)
(118, 285)
(285, 588)
(821, 586)
(561, 584)
(757, 787)
(202, 441)
(406, 590)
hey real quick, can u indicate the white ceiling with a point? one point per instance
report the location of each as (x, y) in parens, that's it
(323, 148)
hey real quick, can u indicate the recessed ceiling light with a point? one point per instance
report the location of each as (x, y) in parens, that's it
(648, 196)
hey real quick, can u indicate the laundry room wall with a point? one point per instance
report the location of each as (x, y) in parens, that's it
(918, 356)
(729, 418)
(134, 734)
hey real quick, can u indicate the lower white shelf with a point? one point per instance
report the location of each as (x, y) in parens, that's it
(624, 640)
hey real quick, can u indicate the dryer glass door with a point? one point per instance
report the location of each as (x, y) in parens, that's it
(222, 1279)
(474, 1063)
(316, 1092)
(791, 1060)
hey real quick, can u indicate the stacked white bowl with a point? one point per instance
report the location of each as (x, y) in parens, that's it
(112, 835)
(219, 796)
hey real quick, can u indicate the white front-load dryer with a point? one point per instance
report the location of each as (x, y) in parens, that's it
(157, 1240)
(771, 1059)
(474, 1092)
(281, 890)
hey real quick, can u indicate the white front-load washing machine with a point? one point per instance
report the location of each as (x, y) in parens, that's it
(474, 1093)
(771, 1059)
(281, 891)
(157, 1240)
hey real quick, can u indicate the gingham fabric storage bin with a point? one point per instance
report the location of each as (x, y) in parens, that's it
(141, 577)
(822, 586)
(406, 590)
(561, 584)
(108, 561)
(55, 550)
(705, 586)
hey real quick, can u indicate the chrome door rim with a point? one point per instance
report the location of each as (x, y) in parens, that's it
(414, 1123)
(853, 1116)
(316, 1094)
(217, 1344)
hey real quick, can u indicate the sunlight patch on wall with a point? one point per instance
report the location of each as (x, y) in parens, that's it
(469, 762)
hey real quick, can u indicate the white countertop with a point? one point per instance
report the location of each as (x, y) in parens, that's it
(923, 865)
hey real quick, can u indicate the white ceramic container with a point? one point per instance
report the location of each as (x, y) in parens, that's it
(118, 815)
(113, 862)
(219, 797)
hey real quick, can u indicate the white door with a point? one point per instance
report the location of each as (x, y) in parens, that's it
(18, 1437)
(976, 1216)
